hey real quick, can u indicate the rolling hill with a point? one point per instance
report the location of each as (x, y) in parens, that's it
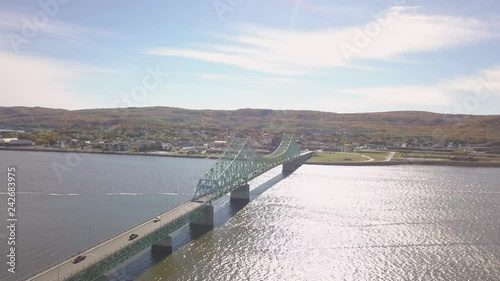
(391, 124)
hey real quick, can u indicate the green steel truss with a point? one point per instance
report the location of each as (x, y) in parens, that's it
(99, 268)
(240, 164)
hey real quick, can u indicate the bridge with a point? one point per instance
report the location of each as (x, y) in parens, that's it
(239, 164)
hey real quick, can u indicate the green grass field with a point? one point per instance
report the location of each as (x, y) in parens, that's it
(446, 156)
(487, 158)
(377, 155)
(426, 155)
(327, 157)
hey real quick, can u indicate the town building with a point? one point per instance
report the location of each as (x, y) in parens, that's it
(18, 143)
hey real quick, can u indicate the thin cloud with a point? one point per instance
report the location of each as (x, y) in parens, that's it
(36, 81)
(483, 86)
(15, 23)
(246, 79)
(228, 59)
(403, 31)
(485, 82)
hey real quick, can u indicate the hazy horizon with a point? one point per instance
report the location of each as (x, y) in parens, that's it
(236, 109)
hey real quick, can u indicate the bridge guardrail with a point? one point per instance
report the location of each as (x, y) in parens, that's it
(98, 244)
(108, 255)
(134, 247)
(286, 151)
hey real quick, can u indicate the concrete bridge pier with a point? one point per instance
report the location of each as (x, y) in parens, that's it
(290, 167)
(203, 223)
(163, 246)
(241, 194)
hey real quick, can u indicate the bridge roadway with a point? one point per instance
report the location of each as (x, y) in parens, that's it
(67, 269)
(112, 252)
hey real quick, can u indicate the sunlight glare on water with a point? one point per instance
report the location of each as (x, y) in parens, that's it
(351, 223)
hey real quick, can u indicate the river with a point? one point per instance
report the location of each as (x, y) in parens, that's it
(319, 223)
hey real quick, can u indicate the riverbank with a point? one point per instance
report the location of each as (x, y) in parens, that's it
(214, 157)
(392, 158)
(396, 163)
(32, 149)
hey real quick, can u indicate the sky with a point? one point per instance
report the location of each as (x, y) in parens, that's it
(343, 56)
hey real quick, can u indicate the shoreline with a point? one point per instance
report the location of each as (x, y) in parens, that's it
(107, 152)
(367, 163)
(398, 163)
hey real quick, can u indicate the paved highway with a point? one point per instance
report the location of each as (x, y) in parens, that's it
(67, 268)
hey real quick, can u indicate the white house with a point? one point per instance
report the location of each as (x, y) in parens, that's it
(6, 140)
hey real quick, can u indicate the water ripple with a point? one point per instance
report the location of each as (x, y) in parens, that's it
(348, 223)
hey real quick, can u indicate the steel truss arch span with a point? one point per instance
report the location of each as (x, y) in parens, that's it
(239, 164)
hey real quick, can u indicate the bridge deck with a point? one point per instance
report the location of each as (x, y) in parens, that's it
(67, 268)
(227, 175)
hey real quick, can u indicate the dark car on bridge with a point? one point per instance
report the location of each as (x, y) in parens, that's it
(132, 236)
(79, 258)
